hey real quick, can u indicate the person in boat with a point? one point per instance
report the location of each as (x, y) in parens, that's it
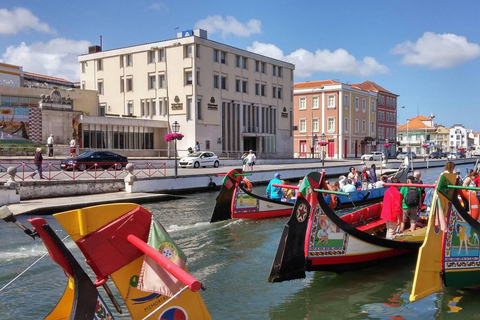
(468, 181)
(274, 193)
(372, 175)
(342, 181)
(449, 167)
(410, 203)
(392, 211)
(364, 177)
(383, 179)
(417, 175)
(246, 184)
(287, 192)
(349, 186)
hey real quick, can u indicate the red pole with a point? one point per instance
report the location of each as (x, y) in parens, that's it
(417, 185)
(184, 277)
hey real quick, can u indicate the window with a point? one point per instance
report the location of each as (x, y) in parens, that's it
(364, 124)
(215, 81)
(280, 72)
(197, 78)
(154, 107)
(372, 106)
(302, 125)
(129, 61)
(244, 63)
(257, 89)
(345, 125)
(83, 67)
(130, 108)
(372, 128)
(315, 125)
(262, 67)
(189, 51)
(356, 125)
(215, 55)
(315, 104)
(237, 85)
(356, 103)
(152, 82)
(331, 125)
(364, 105)
(101, 110)
(257, 66)
(199, 109)
(331, 102)
(345, 101)
(263, 90)
(161, 81)
(223, 57)
(197, 51)
(244, 86)
(99, 64)
(274, 92)
(188, 77)
(302, 105)
(189, 108)
(274, 70)
(224, 83)
(100, 86)
(161, 55)
(122, 84)
(279, 93)
(151, 56)
(129, 84)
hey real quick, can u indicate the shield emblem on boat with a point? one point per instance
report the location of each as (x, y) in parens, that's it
(302, 212)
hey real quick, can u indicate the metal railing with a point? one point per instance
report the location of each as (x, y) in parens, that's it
(95, 171)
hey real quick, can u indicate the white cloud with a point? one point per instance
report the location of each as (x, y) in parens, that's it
(21, 19)
(56, 58)
(229, 25)
(437, 51)
(307, 63)
(158, 6)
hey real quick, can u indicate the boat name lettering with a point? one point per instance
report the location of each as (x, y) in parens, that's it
(160, 300)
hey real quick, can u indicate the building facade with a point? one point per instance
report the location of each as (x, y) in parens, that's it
(344, 116)
(418, 135)
(229, 100)
(459, 138)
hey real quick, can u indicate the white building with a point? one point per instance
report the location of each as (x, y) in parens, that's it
(458, 137)
(228, 99)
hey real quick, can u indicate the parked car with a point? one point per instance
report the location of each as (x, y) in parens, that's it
(435, 155)
(458, 155)
(88, 160)
(402, 155)
(200, 159)
(444, 154)
(375, 155)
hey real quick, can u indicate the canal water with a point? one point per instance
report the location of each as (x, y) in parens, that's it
(233, 259)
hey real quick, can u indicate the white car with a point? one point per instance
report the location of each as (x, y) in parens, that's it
(200, 159)
(375, 155)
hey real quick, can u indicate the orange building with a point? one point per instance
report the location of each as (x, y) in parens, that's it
(342, 115)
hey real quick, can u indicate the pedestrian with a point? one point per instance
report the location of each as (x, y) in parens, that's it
(73, 149)
(417, 175)
(372, 175)
(38, 163)
(251, 159)
(392, 211)
(244, 161)
(364, 177)
(197, 146)
(50, 143)
(274, 193)
(410, 203)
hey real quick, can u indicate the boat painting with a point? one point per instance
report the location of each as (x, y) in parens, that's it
(450, 256)
(317, 239)
(234, 201)
(113, 238)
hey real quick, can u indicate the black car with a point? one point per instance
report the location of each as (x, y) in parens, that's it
(435, 155)
(88, 160)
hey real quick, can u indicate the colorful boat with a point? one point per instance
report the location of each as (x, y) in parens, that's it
(234, 201)
(450, 256)
(317, 239)
(113, 239)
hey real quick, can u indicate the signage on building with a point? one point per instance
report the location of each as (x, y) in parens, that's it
(187, 33)
(284, 113)
(177, 105)
(212, 105)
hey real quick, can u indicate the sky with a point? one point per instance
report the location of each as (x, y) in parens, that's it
(427, 52)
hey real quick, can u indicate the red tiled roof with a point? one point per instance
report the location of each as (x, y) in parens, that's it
(371, 86)
(415, 123)
(313, 84)
(46, 77)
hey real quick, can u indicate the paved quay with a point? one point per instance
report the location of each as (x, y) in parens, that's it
(72, 201)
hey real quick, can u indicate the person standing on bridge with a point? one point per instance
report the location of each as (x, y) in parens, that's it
(50, 143)
(38, 163)
(251, 159)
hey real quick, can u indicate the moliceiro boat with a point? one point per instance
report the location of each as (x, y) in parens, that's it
(450, 256)
(236, 201)
(317, 239)
(124, 243)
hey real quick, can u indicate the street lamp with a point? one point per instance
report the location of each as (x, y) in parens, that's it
(386, 145)
(176, 128)
(323, 143)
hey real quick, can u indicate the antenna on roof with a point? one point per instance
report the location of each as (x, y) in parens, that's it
(176, 28)
(100, 42)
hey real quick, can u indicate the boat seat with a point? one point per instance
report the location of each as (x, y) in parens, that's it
(371, 225)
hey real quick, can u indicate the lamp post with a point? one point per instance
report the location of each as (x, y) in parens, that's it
(323, 143)
(176, 128)
(386, 145)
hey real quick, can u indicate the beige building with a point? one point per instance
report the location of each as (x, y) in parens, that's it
(229, 100)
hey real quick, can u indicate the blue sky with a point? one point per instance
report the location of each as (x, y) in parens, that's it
(427, 52)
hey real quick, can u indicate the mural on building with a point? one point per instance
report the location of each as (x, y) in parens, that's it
(15, 121)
